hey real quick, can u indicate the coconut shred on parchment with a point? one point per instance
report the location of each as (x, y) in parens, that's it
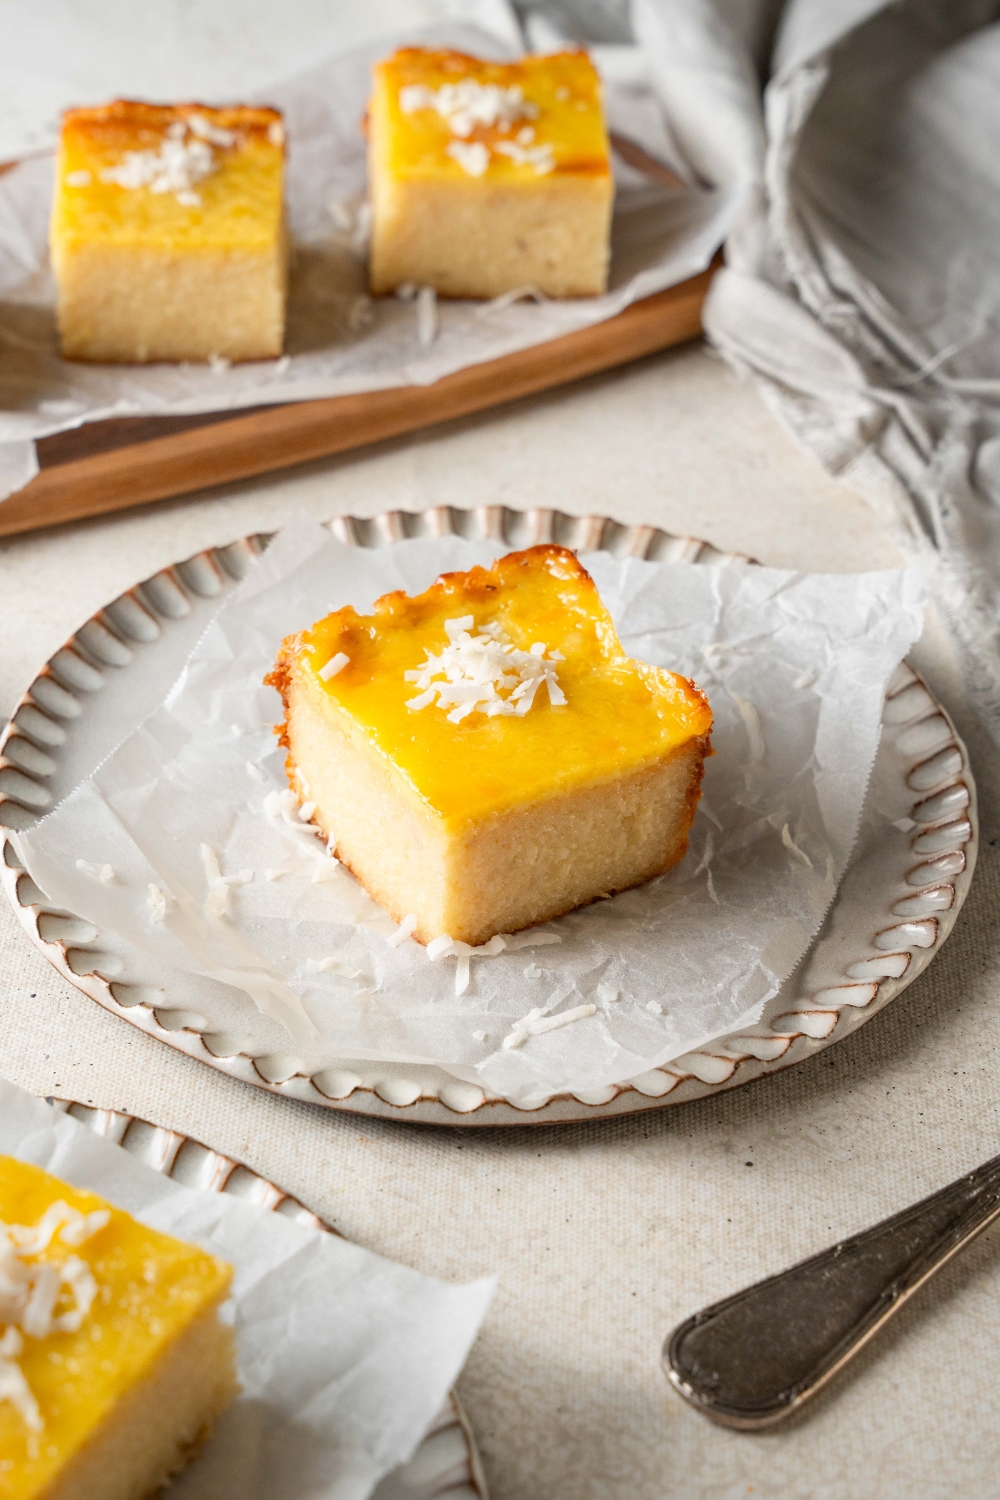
(221, 894)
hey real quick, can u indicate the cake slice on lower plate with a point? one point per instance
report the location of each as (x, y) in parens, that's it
(485, 756)
(114, 1364)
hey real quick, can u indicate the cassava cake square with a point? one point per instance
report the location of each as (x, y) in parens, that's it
(114, 1364)
(484, 756)
(487, 177)
(167, 233)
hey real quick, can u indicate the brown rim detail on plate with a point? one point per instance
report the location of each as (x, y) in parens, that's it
(890, 917)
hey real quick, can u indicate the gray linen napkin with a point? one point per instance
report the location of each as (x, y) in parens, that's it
(862, 279)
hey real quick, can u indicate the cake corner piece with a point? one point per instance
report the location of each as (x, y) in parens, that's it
(167, 233)
(489, 177)
(484, 756)
(113, 1387)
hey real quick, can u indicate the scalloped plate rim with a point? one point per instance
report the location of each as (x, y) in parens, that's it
(593, 532)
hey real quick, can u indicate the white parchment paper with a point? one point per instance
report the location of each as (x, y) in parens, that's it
(344, 1358)
(795, 667)
(338, 338)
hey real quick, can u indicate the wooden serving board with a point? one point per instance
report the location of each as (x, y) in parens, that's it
(108, 466)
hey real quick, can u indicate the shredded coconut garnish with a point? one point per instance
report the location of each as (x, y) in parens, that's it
(536, 1022)
(654, 1007)
(217, 900)
(159, 902)
(334, 665)
(792, 846)
(275, 872)
(539, 157)
(448, 947)
(485, 674)
(206, 131)
(178, 165)
(507, 299)
(403, 931)
(606, 993)
(326, 871)
(13, 1386)
(104, 873)
(532, 972)
(472, 156)
(306, 811)
(530, 939)
(479, 1036)
(466, 104)
(284, 806)
(31, 1295)
(751, 720)
(427, 318)
(254, 772)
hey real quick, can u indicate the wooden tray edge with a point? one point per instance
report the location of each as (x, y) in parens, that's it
(241, 446)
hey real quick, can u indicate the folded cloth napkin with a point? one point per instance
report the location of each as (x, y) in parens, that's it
(861, 282)
(343, 1358)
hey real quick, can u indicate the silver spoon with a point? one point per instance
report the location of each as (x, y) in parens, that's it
(754, 1358)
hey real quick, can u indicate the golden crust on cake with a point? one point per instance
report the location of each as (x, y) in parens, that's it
(487, 177)
(167, 233)
(484, 755)
(115, 1387)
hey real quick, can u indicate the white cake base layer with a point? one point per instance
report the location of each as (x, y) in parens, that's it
(160, 1425)
(137, 306)
(509, 871)
(481, 239)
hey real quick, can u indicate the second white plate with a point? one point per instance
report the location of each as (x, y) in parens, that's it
(446, 1462)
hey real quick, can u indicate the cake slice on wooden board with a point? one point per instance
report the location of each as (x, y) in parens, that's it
(484, 756)
(167, 234)
(489, 177)
(114, 1364)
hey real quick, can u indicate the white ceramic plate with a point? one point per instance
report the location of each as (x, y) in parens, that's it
(896, 904)
(446, 1463)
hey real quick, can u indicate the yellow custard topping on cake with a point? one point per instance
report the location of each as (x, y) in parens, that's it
(113, 1362)
(487, 177)
(484, 755)
(167, 233)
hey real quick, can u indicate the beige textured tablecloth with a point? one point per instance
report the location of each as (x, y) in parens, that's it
(604, 1235)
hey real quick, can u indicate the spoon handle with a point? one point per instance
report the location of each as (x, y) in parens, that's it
(753, 1358)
